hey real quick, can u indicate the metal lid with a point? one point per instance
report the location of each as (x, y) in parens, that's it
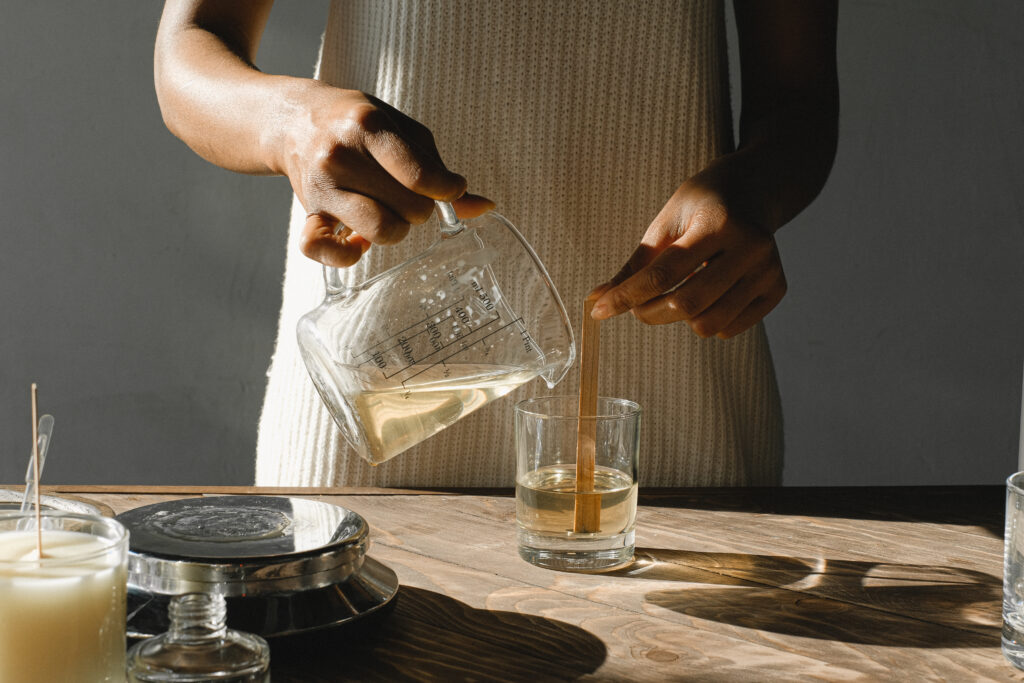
(242, 545)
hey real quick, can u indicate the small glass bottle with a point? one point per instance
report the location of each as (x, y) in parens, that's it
(198, 646)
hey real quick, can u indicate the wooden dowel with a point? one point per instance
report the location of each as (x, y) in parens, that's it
(587, 504)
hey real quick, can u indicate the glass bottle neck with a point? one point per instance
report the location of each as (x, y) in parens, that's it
(197, 617)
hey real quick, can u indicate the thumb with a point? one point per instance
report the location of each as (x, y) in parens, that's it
(472, 205)
(641, 256)
(596, 292)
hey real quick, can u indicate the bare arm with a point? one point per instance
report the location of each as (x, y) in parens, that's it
(709, 258)
(351, 159)
(790, 114)
(210, 93)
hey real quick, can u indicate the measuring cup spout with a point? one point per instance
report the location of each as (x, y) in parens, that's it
(554, 376)
(555, 372)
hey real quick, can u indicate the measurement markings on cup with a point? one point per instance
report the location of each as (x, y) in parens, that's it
(430, 326)
(374, 349)
(405, 344)
(464, 346)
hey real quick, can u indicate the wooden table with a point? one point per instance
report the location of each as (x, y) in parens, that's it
(793, 584)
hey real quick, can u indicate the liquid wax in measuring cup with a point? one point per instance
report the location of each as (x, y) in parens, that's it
(395, 419)
(402, 356)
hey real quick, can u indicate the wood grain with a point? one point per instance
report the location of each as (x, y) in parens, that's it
(429, 636)
(747, 585)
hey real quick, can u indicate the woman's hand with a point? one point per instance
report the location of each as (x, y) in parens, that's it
(709, 258)
(364, 172)
(701, 262)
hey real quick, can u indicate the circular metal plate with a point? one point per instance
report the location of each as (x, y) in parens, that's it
(242, 545)
(285, 565)
(237, 528)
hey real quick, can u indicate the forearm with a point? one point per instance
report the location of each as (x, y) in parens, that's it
(789, 120)
(213, 97)
(783, 159)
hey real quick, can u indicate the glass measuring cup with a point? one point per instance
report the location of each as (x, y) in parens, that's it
(412, 350)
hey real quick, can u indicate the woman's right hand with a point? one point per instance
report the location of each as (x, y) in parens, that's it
(364, 171)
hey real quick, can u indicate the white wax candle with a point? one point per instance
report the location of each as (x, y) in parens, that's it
(62, 619)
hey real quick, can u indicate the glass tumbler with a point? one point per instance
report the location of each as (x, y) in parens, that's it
(548, 499)
(1013, 572)
(62, 617)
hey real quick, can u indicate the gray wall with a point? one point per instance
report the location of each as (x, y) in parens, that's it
(141, 285)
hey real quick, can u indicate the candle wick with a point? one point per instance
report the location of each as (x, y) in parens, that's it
(35, 472)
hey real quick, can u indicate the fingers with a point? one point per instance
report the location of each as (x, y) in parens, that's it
(714, 283)
(719, 299)
(598, 292)
(405, 149)
(354, 189)
(743, 305)
(661, 274)
(371, 219)
(640, 257)
(719, 274)
(372, 169)
(320, 243)
(351, 170)
(752, 314)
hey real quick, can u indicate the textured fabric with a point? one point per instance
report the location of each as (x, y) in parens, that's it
(579, 119)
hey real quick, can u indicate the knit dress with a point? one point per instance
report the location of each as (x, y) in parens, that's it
(579, 119)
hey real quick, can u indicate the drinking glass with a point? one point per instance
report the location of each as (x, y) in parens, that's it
(548, 499)
(1013, 572)
(62, 617)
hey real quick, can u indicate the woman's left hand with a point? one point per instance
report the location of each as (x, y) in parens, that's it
(709, 258)
(700, 261)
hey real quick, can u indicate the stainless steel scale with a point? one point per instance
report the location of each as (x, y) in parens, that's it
(284, 565)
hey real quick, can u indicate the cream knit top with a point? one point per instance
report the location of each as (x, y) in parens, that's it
(579, 119)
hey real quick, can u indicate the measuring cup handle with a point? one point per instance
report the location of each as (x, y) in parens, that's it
(450, 226)
(333, 282)
(450, 223)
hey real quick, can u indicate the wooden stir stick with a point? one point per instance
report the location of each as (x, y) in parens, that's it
(587, 508)
(35, 472)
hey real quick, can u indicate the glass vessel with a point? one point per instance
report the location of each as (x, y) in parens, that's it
(198, 646)
(1013, 572)
(403, 355)
(548, 497)
(62, 617)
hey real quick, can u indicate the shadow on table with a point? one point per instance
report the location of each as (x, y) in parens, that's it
(868, 603)
(424, 635)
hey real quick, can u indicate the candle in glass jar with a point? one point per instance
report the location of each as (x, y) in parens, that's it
(62, 618)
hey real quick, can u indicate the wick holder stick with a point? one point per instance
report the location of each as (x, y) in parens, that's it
(587, 508)
(35, 471)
